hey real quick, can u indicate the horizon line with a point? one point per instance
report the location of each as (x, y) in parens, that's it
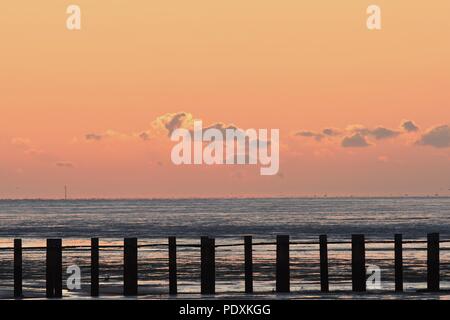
(226, 198)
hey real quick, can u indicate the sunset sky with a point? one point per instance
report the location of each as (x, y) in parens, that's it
(88, 108)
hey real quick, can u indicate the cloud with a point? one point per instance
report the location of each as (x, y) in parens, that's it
(173, 121)
(438, 137)
(378, 133)
(358, 128)
(221, 127)
(144, 135)
(358, 135)
(409, 126)
(381, 133)
(93, 136)
(23, 143)
(162, 125)
(310, 134)
(356, 140)
(112, 134)
(331, 132)
(65, 164)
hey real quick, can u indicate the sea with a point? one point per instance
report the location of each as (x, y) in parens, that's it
(228, 220)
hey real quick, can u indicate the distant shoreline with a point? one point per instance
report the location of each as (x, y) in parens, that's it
(231, 198)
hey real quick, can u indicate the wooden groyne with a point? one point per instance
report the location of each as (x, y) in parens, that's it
(208, 246)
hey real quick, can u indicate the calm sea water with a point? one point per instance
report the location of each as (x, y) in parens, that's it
(227, 220)
(376, 217)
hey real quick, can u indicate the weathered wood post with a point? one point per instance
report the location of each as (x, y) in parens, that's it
(248, 253)
(54, 268)
(323, 243)
(358, 263)
(130, 267)
(282, 266)
(95, 267)
(173, 266)
(433, 262)
(208, 268)
(18, 268)
(398, 252)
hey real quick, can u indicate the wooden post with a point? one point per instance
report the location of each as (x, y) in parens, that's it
(208, 268)
(94, 267)
(203, 264)
(54, 268)
(130, 267)
(358, 263)
(17, 268)
(433, 262)
(173, 266)
(324, 284)
(248, 252)
(398, 251)
(283, 275)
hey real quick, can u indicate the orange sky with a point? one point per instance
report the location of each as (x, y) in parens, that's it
(298, 66)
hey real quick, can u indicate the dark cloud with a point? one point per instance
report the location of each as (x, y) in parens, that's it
(310, 134)
(175, 122)
(93, 136)
(223, 127)
(331, 132)
(380, 133)
(357, 128)
(144, 136)
(356, 140)
(438, 137)
(357, 134)
(65, 164)
(171, 121)
(409, 126)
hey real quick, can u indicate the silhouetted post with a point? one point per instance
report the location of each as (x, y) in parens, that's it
(323, 243)
(208, 268)
(130, 267)
(17, 268)
(248, 252)
(173, 266)
(358, 263)
(54, 268)
(398, 251)
(433, 262)
(283, 274)
(94, 267)
(203, 263)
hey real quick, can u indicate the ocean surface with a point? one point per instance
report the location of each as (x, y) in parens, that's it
(152, 221)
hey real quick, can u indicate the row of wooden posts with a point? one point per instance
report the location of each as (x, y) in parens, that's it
(208, 273)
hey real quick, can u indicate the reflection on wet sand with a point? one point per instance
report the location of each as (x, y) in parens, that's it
(153, 268)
